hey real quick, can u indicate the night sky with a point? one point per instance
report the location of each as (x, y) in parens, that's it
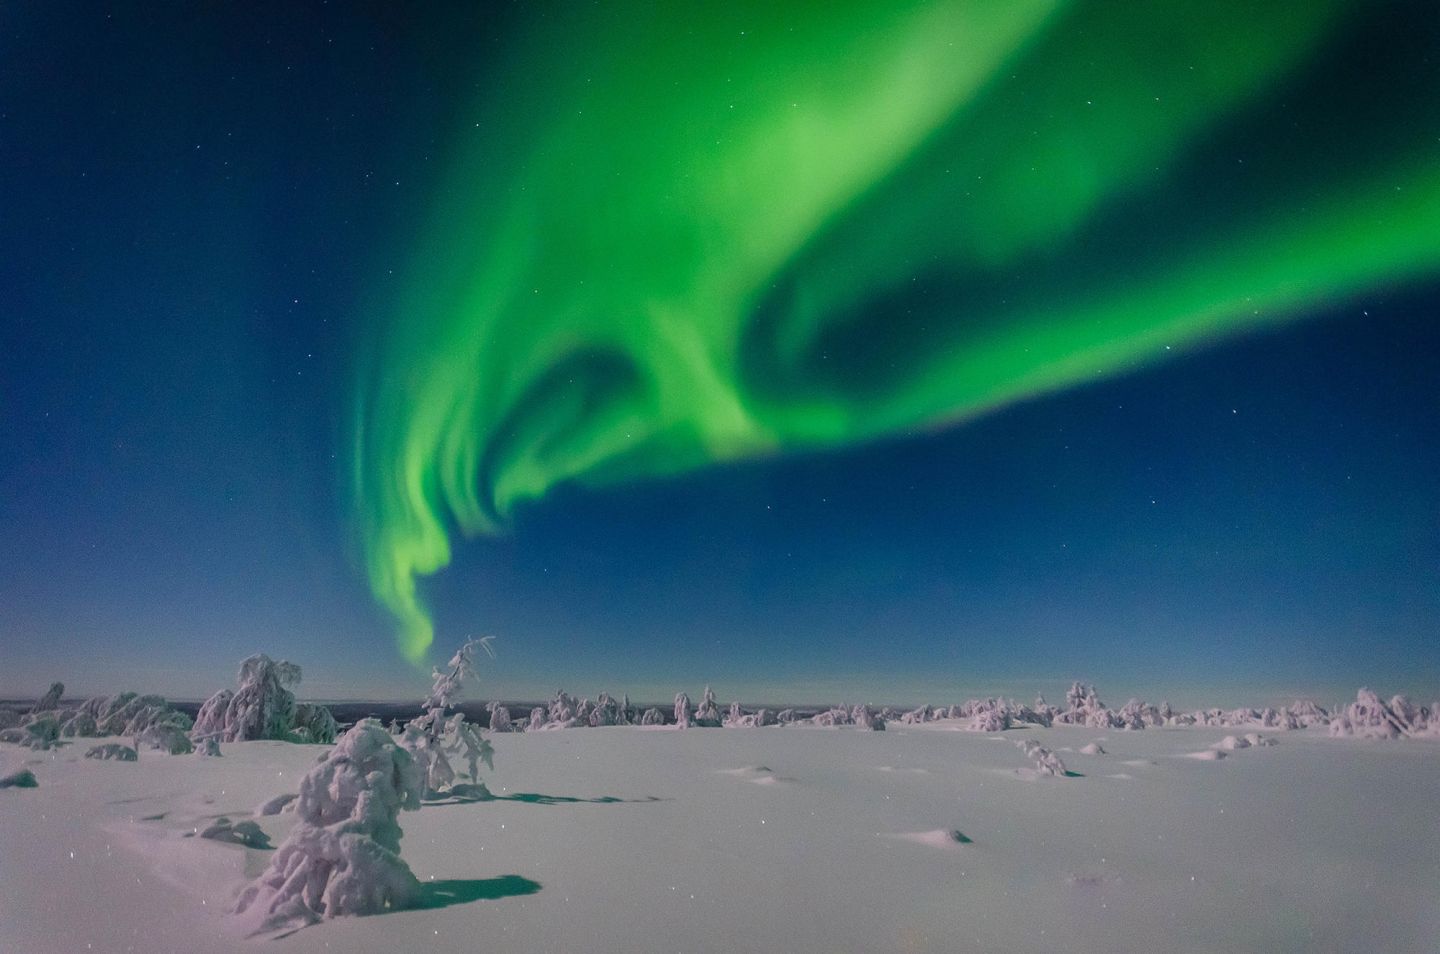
(794, 353)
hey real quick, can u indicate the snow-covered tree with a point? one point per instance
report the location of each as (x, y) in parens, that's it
(314, 723)
(1371, 717)
(500, 719)
(607, 711)
(708, 712)
(343, 855)
(263, 707)
(433, 737)
(51, 700)
(39, 731)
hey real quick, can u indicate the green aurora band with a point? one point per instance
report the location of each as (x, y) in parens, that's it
(691, 233)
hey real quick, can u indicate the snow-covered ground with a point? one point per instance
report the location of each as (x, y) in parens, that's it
(918, 838)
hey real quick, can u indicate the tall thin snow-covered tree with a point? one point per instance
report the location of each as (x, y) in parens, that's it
(433, 737)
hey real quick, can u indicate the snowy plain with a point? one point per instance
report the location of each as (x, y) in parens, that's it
(919, 838)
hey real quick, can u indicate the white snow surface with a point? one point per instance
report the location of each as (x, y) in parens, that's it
(828, 840)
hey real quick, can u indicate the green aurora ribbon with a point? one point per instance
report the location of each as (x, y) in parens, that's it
(692, 233)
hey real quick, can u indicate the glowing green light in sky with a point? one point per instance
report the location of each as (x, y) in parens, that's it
(688, 233)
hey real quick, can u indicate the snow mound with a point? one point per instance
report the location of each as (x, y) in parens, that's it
(343, 855)
(245, 833)
(1094, 748)
(274, 806)
(1206, 755)
(166, 737)
(942, 838)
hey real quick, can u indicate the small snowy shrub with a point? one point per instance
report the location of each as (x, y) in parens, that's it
(1046, 762)
(917, 716)
(165, 737)
(39, 732)
(112, 751)
(276, 805)
(246, 833)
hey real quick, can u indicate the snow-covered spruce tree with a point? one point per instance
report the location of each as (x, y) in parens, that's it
(433, 737)
(500, 719)
(343, 855)
(314, 723)
(51, 700)
(608, 711)
(708, 712)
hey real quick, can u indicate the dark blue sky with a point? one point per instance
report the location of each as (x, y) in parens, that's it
(195, 204)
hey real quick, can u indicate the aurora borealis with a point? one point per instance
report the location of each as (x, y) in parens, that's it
(894, 352)
(679, 236)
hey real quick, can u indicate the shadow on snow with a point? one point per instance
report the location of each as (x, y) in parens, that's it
(470, 794)
(444, 894)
